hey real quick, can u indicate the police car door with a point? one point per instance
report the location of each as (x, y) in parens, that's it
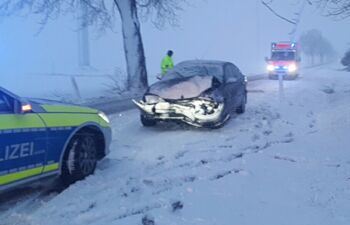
(23, 143)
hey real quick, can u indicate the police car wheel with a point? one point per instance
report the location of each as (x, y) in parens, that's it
(80, 158)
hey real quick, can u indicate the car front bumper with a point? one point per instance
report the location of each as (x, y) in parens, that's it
(284, 74)
(197, 112)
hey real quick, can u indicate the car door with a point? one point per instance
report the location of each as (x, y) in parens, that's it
(240, 87)
(231, 85)
(23, 142)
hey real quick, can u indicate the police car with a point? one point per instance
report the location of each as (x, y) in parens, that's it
(41, 138)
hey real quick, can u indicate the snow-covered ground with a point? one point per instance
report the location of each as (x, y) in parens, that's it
(281, 163)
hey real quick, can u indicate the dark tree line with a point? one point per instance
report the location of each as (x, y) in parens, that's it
(316, 47)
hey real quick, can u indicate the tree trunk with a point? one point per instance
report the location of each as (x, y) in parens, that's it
(133, 47)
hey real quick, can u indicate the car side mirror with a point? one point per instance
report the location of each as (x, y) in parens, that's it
(299, 59)
(267, 59)
(216, 83)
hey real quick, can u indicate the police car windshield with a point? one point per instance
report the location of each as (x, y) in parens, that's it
(5, 104)
(283, 56)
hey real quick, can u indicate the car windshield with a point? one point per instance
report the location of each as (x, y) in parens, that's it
(181, 71)
(283, 56)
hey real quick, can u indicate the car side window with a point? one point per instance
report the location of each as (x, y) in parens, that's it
(5, 104)
(231, 74)
(234, 74)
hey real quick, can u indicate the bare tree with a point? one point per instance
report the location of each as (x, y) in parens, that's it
(339, 9)
(267, 4)
(102, 14)
(294, 20)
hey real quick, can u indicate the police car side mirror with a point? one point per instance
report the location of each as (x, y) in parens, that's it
(22, 107)
(267, 59)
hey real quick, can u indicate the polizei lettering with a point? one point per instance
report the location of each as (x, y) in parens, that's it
(17, 151)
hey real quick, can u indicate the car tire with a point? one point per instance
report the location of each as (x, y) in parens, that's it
(147, 122)
(241, 108)
(80, 158)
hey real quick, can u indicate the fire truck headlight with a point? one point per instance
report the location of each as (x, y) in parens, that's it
(292, 68)
(270, 67)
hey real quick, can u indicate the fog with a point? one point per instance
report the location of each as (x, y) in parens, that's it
(236, 31)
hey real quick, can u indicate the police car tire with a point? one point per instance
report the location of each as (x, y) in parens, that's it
(80, 158)
(147, 122)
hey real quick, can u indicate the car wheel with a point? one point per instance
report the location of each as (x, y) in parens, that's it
(147, 122)
(241, 108)
(80, 158)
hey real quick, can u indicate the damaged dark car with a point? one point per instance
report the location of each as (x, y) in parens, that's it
(201, 93)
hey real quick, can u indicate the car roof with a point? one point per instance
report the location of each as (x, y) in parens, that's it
(201, 62)
(216, 68)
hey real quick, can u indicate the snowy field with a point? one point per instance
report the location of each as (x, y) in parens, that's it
(281, 163)
(58, 87)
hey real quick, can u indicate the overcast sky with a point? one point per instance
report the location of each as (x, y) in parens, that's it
(239, 31)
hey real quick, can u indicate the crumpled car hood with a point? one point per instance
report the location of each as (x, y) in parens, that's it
(181, 88)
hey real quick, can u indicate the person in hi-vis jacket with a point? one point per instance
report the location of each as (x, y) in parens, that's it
(167, 63)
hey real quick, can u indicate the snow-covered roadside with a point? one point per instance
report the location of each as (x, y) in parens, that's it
(279, 163)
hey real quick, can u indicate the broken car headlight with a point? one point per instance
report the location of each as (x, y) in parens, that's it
(205, 106)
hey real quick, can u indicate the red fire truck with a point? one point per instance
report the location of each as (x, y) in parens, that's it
(284, 60)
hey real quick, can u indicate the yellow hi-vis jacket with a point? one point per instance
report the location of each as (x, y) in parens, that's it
(167, 63)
